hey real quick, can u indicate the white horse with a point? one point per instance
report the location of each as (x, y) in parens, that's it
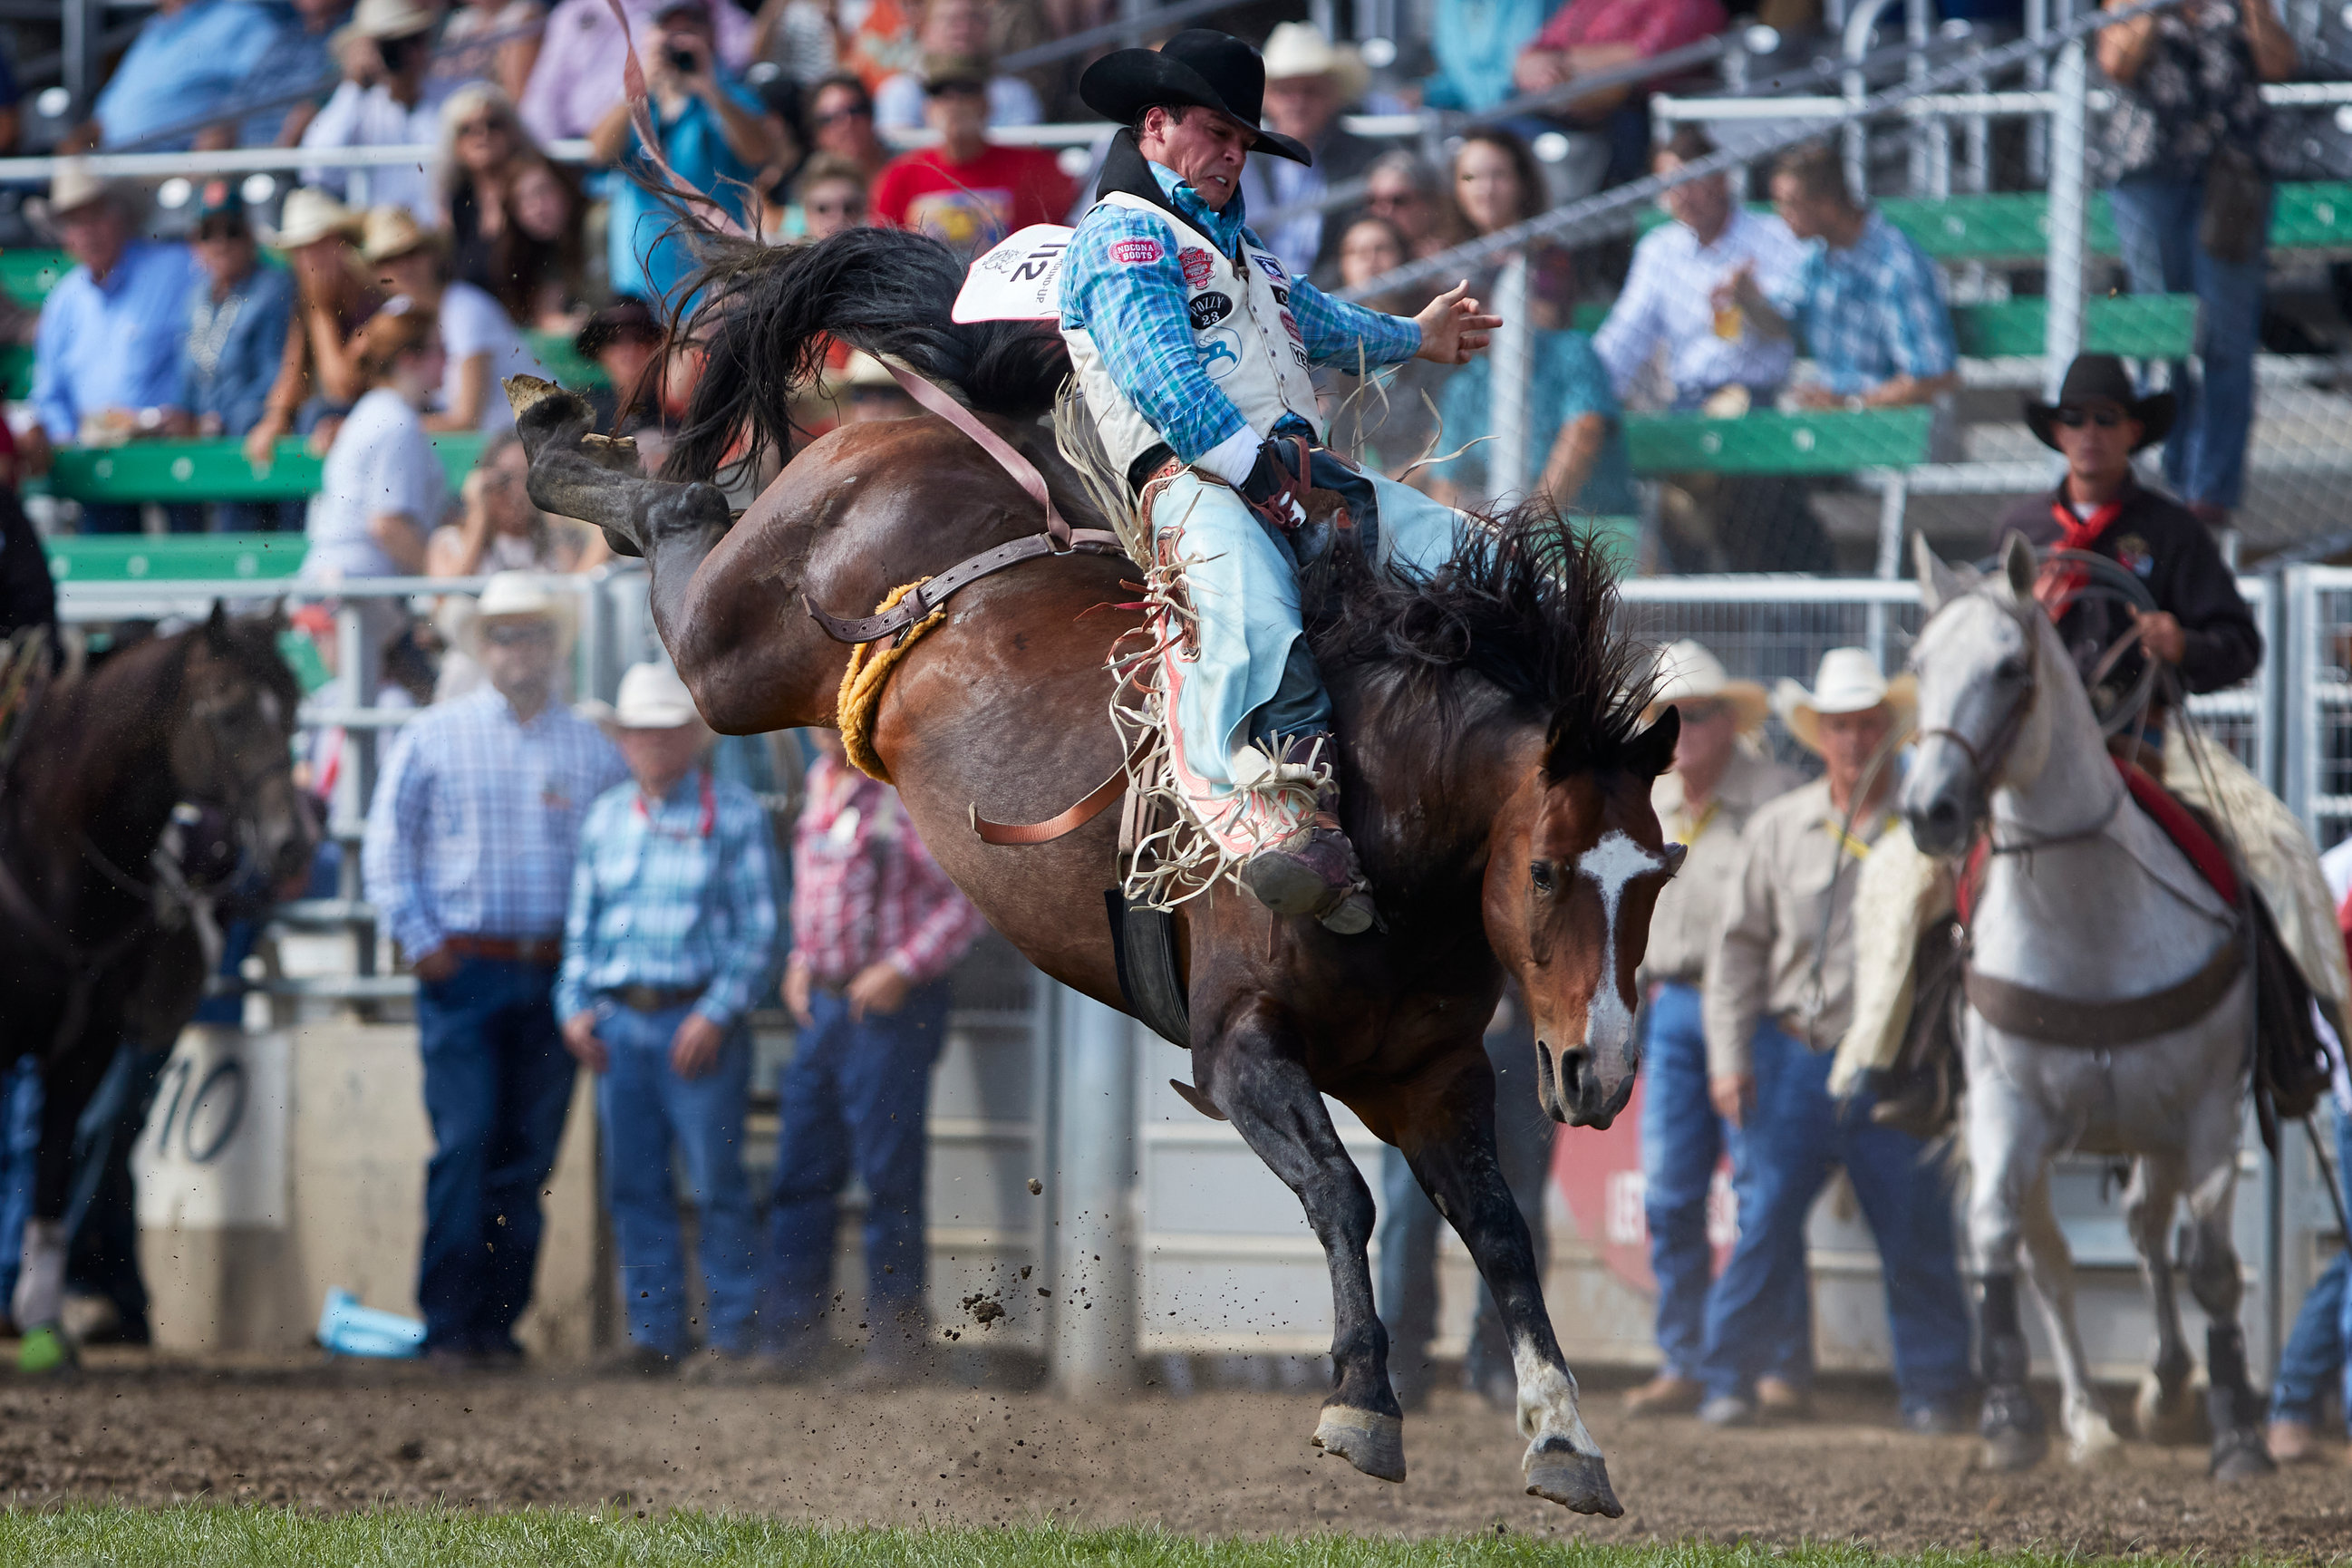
(2123, 1020)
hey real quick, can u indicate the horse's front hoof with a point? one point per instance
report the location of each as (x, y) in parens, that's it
(2242, 1455)
(1367, 1440)
(1578, 1482)
(2012, 1448)
(2167, 1415)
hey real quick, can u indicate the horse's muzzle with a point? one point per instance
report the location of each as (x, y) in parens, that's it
(1573, 1087)
(1940, 818)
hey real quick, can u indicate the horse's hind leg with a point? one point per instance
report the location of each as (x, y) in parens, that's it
(2235, 1411)
(1459, 1172)
(2162, 1411)
(1265, 1093)
(2050, 1268)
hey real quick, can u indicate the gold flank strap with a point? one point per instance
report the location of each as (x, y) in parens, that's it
(870, 671)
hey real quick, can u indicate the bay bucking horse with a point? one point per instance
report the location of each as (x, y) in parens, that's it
(1495, 773)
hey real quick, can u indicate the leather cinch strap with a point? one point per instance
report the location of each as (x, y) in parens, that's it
(934, 593)
(2066, 1021)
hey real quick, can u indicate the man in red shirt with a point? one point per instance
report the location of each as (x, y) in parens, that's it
(968, 192)
(1586, 38)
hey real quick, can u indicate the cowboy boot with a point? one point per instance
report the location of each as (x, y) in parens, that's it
(1303, 863)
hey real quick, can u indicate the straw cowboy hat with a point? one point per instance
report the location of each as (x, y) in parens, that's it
(1197, 65)
(1299, 49)
(1849, 682)
(1688, 672)
(386, 19)
(520, 597)
(651, 697)
(391, 231)
(75, 185)
(309, 217)
(2103, 377)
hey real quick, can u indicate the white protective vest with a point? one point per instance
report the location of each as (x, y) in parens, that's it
(1247, 340)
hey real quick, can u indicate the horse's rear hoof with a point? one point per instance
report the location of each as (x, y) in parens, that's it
(1578, 1482)
(1367, 1440)
(2242, 1455)
(2013, 1450)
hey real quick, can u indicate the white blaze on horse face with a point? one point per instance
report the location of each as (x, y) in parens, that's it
(1611, 864)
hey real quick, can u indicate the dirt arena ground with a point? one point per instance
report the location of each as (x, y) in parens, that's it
(1216, 1463)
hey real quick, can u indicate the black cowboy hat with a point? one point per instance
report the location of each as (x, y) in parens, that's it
(2102, 376)
(1199, 66)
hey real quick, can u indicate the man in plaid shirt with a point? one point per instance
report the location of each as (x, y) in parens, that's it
(1865, 300)
(875, 927)
(670, 938)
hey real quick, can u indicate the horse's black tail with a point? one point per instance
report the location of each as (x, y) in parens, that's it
(762, 315)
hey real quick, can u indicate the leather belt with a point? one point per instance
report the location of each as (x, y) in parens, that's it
(545, 952)
(655, 998)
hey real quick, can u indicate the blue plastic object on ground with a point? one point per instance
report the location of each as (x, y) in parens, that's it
(346, 1328)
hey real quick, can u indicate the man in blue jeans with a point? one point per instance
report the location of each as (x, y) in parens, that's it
(1779, 992)
(467, 860)
(671, 935)
(876, 925)
(1720, 776)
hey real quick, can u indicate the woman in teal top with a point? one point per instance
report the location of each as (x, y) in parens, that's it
(1576, 432)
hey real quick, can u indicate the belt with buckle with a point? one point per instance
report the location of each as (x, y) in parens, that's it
(655, 999)
(543, 952)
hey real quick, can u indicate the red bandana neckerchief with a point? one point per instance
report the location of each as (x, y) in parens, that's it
(2061, 584)
(709, 817)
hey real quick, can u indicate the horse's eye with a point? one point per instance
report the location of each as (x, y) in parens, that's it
(1539, 872)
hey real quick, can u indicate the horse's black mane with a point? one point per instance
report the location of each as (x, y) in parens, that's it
(1529, 608)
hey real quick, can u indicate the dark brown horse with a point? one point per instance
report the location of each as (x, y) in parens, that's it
(202, 719)
(1495, 777)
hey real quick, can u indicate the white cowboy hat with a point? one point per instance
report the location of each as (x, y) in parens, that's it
(1849, 682)
(310, 215)
(388, 19)
(651, 697)
(1688, 672)
(1299, 49)
(516, 596)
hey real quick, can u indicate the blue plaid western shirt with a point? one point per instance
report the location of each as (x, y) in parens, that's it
(669, 895)
(1870, 312)
(1137, 314)
(476, 819)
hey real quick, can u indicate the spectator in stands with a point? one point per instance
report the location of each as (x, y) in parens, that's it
(578, 73)
(881, 43)
(1388, 425)
(1778, 991)
(1575, 436)
(1721, 774)
(496, 41)
(191, 59)
(875, 927)
(625, 340)
(382, 102)
(2183, 157)
(1308, 83)
(1609, 130)
(470, 845)
(239, 316)
(669, 942)
(797, 37)
(1408, 193)
(841, 122)
(498, 528)
(969, 192)
(319, 378)
(830, 197)
(106, 364)
(1865, 300)
(513, 218)
(484, 348)
(381, 492)
(953, 30)
(1496, 183)
(714, 130)
(1477, 45)
(301, 54)
(1668, 299)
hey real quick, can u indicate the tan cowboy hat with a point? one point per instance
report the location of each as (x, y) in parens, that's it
(310, 215)
(1849, 682)
(1688, 672)
(651, 697)
(75, 185)
(520, 596)
(391, 231)
(1299, 49)
(386, 19)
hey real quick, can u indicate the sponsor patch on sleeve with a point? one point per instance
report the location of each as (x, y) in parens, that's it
(1136, 252)
(1199, 266)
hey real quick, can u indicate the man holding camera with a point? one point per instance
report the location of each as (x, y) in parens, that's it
(714, 132)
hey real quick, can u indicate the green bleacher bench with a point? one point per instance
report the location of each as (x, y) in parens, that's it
(27, 276)
(176, 557)
(2139, 326)
(1762, 442)
(16, 372)
(565, 363)
(211, 470)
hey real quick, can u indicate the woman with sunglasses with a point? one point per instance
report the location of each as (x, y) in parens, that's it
(829, 196)
(513, 219)
(841, 122)
(1408, 193)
